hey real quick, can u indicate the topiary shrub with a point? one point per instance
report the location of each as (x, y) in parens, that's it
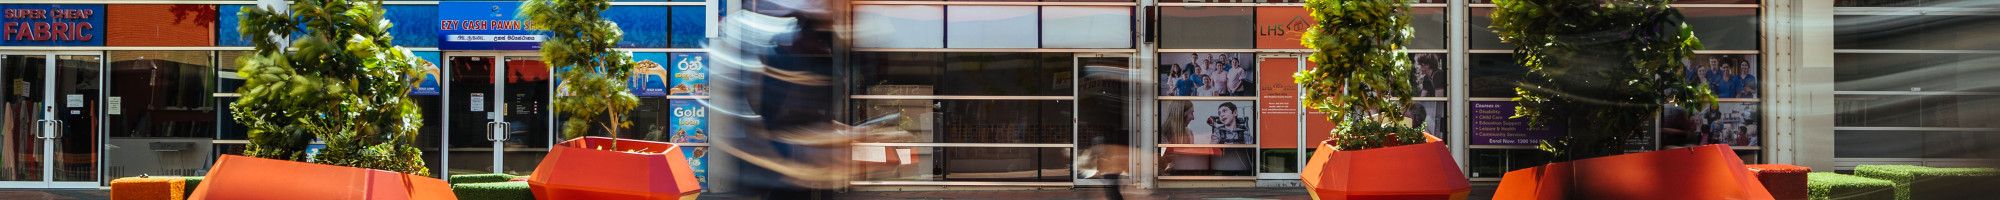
(511, 190)
(1831, 186)
(1602, 69)
(581, 46)
(1359, 80)
(1919, 182)
(339, 80)
(481, 178)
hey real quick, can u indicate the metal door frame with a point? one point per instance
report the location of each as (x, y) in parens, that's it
(48, 144)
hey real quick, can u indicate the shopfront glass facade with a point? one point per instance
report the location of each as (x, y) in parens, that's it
(995, 92)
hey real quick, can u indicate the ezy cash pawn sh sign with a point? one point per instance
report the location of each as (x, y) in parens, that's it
(484, 26)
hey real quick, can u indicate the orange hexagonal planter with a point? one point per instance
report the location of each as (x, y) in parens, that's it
(590, 168)
(1406, 172)
(241, 177)
(1704, 172)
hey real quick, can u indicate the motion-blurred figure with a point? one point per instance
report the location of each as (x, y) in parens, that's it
(775, 98)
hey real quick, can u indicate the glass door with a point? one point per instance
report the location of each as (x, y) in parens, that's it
(51, 120)
(503, 126)
(1105, 120)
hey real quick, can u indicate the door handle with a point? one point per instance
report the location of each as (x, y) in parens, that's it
(43, 126)
(501, 135)
(57, 127)
(489, 131)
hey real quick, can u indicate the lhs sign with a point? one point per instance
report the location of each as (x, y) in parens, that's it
(51, 25)
(484, 26)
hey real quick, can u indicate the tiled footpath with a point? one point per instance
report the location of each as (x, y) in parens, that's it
(1479, 191)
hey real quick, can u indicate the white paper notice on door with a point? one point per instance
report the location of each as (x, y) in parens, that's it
(906, 156)
(75, 101)
(478, 102)
(114, 105)
(871, 154)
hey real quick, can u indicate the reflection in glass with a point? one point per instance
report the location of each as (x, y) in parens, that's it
(1207, 162)
(1916, 72)
(1917, 110)
(1206, 27)
(899, 26)
(1086, 27)
(983, 74)
(990, 27)
(163, 97)
(1492, 75)
(1724, 28)
(77, 139)
(1491, 163)
(24, 92)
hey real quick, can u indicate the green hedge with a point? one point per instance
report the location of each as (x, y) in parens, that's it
(515, 190)
(191, 182)
(1830, 186)
(481, 178)
(1919, 182)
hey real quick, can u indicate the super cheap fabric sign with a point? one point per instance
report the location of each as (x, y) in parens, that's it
(484, 26)
(51, 25)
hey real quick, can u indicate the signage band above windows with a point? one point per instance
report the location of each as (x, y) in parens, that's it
(484, 26)
(51, 25)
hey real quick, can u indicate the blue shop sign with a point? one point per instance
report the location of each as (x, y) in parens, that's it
(484, 26)
(52, 25)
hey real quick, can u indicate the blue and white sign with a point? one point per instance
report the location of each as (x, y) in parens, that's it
(690, 121)
(484, 26)
(52, 25)
(428, 84)
(690, 74)
(649, 76)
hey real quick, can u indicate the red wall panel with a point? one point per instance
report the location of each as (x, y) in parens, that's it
(159, 25)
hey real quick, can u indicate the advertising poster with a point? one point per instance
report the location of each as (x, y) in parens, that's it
(1280, 27)
(1732, 123)
(1278, 104)
(697, 158)
(1431, 116)
(1429, 75)
(484, 26)
(690, 121)
(1492, 125)
(649, 77)
(1208, 74)
(427, 85)
(1729, 76)
(52, 25)
(1207, 122)
(690, 74)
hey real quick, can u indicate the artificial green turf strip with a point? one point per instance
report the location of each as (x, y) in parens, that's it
(191, 182)
(480, 178)
(514, 190)
(1904, 175)
(1829, 186)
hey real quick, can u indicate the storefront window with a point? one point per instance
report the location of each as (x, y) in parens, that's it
(990, 27)
(1086, 27)
(899, 26)
(1207, 27)
(163, 94)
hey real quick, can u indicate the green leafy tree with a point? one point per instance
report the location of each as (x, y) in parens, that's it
(342, 82)
(580, 45)
(1361, 79)
(1600, 68)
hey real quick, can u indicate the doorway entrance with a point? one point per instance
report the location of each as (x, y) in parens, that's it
(503, 126)
(50, 120)
(1105, 118)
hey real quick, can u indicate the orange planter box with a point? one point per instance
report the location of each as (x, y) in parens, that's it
(1704, 172)
(578, 169)
(153, 188)
(1407, 172)
(240, 177)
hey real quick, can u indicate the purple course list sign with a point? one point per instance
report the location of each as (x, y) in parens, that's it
(1491, 125)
